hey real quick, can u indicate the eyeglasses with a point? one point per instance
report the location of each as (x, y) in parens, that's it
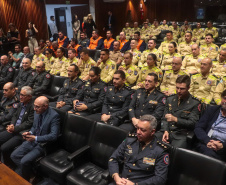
(23, 95)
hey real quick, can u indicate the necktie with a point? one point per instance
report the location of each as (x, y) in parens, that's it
(38, 130)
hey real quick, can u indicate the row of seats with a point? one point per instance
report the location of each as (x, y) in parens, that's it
(84, 147)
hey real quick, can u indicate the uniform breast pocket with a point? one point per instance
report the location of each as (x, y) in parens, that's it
(147, 164)
(185, 115)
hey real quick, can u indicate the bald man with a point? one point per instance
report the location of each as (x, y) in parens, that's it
(45, 129)
(41, 79)
(203, 84)
(6, 71)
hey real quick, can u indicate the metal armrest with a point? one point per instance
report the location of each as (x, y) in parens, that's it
(78, 153)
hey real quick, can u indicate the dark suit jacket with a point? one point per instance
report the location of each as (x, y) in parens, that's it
(49, 128)
(27, 118)
(205, 123)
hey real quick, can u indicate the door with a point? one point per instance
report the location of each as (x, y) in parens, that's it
(61, 20)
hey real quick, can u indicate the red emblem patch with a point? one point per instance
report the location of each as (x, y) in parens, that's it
(48, 76)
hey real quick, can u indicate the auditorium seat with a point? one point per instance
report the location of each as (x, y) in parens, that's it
(94, 169)
(56, 85)
(191, 168)
(16, 72)
(76, 134)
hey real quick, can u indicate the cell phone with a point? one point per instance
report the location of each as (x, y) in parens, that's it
(79, 103)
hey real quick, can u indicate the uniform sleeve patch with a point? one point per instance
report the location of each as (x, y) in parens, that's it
(164, 100)
(199, 107)
(209, 82)
(132, 96)
(105, 89)
(33, 73)
(166, 159)
(135, 72)
(113, 66)
(10, 69)
(48, 76)
(15, 105)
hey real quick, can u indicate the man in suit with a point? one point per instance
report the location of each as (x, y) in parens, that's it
(44, 130)
(211, 129)
(181, 114)
(22, 120)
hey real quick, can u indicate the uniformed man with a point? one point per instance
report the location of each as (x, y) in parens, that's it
(61, 60)
(221, 86)
(38, 57)
(69, 90)
(209, 49)
(163, 48)
(124, 43)
(71, 60)
(74, 45)
(211, 30)
(145, 32)
(183, 31)
(24, 76)
(184, 25)
(151, 49)
(164, 26)
(176, 30)
(83, 39)
(219, 66)
(181, 114)
(168, 85)
(116, 55)
(203, 84)
(129, 69)
(9, 102)
(147, 100)
(134, 29)
(144, 160)
(155, 30)
(41, 80)
(63, 41)
(191, 63)
(223, 46)
(85, 63)
(136, 54)
(197, 33)
(116, 102)
(42, 45)
(127, 30)
(150, 68)
(90, 98)
(6, 71)
(55, 47)
(107, 66)
(141, 46)
(96, 41)
(109, 41)
(184, 48)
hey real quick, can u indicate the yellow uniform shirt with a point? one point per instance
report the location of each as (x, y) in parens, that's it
(107, 70)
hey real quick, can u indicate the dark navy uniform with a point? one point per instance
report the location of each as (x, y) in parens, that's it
(144, 103)
(187, 113)
(92, 95)
(8, 107)
(116, 104)
(6, 74)
(40, 82)
(69, 91)
(23, 78)
(144, 167)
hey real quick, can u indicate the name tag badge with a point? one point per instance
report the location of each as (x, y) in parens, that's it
(149, 161)
(210, 133)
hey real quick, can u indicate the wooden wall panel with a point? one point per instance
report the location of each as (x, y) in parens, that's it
(153, 9)
(20, 12)
(71, 1)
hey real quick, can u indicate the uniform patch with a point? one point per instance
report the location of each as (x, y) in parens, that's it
(48, 76)
(110, 160)
(199, 60)
(33, 73)
(211, 48)
(135, 72)
(199, 107)
(61, 62)
(105, 89)
(10, 69)
(132, 96)
(153, 102)
(113, 66)
(209, 82)
(164, 100)
(106, 67)
(15, 105)
(166, 159)
(149, 161)
(129, 71)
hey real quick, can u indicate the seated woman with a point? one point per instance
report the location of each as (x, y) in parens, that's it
(168, 58)
(90, 98)
(51, 59)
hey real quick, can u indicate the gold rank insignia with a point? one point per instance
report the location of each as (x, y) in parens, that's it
(110, 160)
(153, 102)
(130, 109)
(170, 107)
(110, 89)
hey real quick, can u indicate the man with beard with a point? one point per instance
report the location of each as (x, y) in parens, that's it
(143, 160)
(211, 130)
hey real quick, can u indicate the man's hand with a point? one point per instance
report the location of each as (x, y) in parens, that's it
(25, 134)
(118, 180)
(74, 103)
(141, 85)
(10, 128)
(165, 137)
(30, 138)
(105, 117)
(135, 121)
(166, 93)
(128, 182)
(81, 107)
(170, 117)
(99, 62)
(216, 145)
(121, 68)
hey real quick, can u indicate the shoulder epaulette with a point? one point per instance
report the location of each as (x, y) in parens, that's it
(132, 135)
(196, 75)
(212, 76)
(169, 71)
(195, 98)
(163, 145)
